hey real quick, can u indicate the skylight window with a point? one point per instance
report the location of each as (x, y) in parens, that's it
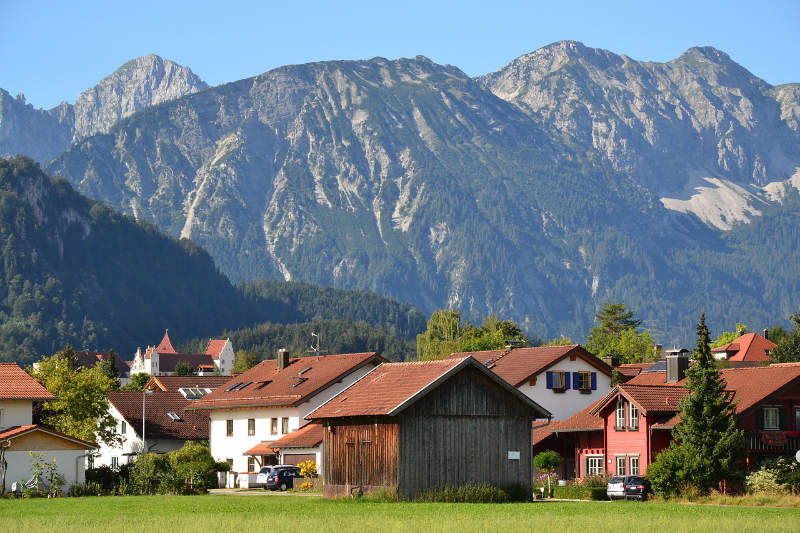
(299, 381)
(303, 371)
(243, 385)
(235, 385)
(174, 416)
(263, 384)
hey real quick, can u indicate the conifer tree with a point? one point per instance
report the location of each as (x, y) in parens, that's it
(713, 447)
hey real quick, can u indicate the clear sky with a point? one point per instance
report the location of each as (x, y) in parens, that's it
(51, 51)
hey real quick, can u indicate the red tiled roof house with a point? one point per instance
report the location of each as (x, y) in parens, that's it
(161, 360)
(409, 427)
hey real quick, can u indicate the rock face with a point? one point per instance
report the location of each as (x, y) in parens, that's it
(42, 134)
(569, 178)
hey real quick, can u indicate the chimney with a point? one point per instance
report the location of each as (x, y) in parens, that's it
(740, 332)
(657, 352)
(612, 361)
(677, 363)
(766, 333)
(283, 358)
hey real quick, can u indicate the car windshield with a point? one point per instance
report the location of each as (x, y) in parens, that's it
(264, 470)
(615, 480)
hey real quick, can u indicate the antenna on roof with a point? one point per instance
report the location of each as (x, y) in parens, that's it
(315, 342)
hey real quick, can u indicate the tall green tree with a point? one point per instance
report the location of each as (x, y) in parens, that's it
(727, 337)
(616, 334)
(80, 408)
(446, 335)
(711, 447)
(244, 361)
(439, 338)
(138, 381)
(788, 350)
(184, 368)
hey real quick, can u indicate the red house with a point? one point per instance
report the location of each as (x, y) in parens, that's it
(749, 347)
(623, 432)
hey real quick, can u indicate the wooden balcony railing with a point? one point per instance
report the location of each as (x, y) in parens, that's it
(772, 441)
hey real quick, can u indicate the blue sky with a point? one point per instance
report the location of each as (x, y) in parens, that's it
(51, 51)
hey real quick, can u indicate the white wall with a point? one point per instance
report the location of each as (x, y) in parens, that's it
(70, 464)
(565, 404)
(224, 447)
(15, 413)
(226, 357)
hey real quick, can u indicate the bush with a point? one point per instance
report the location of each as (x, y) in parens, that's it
(578, 492)
(667, 474)
(470, 493)
(105, 477)
(764, 481)
(594, 482)
(787, 471)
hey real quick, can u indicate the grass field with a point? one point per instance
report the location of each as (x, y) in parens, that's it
(224, 513)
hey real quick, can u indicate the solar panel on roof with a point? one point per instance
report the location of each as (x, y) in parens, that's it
(658, 366)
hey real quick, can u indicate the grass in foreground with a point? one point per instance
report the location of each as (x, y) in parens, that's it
(303, 513)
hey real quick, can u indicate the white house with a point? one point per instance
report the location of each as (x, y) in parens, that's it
(167, 426)
(257, 408)
(19, 436)
(161, 360)
(562, 379)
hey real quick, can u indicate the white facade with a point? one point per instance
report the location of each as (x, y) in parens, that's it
(150, 365)
(15, 413)
(565, 404)
(232, 448)
(225, 360)
(70, 464)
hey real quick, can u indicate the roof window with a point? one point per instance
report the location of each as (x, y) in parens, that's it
(233, 386)
(298, 381)
(174, 416)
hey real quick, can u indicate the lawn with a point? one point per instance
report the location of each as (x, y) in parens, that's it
(312, 513)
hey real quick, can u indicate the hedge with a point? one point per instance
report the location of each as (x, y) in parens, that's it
(571, 492)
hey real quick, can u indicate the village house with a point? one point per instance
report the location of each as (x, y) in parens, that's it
(410, 427)
(191, 387)
(167, 426)
(161, 360)
(89, 358)
(562, 379)
(254, 410)
(19, 436)
(622, 433)
(747, 348)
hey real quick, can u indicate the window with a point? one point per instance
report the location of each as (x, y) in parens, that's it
(620, 420)
(285, 425)
(115, 463)
(90, 461)
(229, 460)
(273, 426)
(772, 418)
(558, 379)
(594, 465)
(634, 422)
(633, 460)
(2, 417)
(174, 416)
(229, 428)
(585, 381)
(796, 419)
(123, 427)
(621, 466)
(251, 463)
(251, 428)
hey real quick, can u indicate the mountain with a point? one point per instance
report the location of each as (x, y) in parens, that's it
(75, 271)
(569, 178)
(141, 83)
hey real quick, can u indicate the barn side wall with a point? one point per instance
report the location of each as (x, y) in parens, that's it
(463, 432)
(359, 454)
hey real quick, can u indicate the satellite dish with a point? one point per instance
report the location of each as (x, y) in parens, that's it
(797, 456)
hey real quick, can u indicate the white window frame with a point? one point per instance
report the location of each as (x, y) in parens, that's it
(114, 462)
(633, 423)
(251, 427)
(596, 469)
(621, 471)
(561, 379)
(229, 423)
(775, 412)
(123, 428)
(286, 425)
(619, 420)
(633, 465)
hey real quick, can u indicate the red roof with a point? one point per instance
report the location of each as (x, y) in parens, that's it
(262, 448)
(747, 347)
(16, 384)
(308, 436)
(167, 362)
(265, 385)
(392, 387)
(165, 346)
(173, 383)
(192, 426)
(630, 370)
(16, 431)
(215, 347)
(583, 420)
(517, 365)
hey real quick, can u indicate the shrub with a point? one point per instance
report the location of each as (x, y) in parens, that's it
(764, 481)
(667, 474)
(308, 469)
(594, 482)
(105, 477)
(470, 493)
(578, 492)
(192, 470)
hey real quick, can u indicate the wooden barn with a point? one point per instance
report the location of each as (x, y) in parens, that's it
(409, 427)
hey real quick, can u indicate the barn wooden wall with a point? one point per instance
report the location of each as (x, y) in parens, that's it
(360, 452)
(461, 433)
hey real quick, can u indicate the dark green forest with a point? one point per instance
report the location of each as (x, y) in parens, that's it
(76, 271)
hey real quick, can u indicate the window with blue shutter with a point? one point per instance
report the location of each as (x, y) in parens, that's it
(594, 380)
(549, 379)
(566, 381)
(576, 380)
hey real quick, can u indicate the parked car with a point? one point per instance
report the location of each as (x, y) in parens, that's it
(637, 488)
(263, 474)
(616, 487)
(282, 477)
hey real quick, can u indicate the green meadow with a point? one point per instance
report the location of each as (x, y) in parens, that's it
(256, 512)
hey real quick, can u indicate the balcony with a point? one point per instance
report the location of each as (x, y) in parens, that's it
(772, 441)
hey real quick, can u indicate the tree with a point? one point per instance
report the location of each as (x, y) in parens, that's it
(711, 448)
(446, 335)
(727, 337)
(110, 369)
(138, 381)
(439, 338)
(559, 341)
(617, 335)
(80, 408)
(788, 350)
(547, 461)
(243, 362)
(184, 368)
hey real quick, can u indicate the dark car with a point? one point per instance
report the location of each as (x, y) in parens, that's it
(636, 488)
(282, 478)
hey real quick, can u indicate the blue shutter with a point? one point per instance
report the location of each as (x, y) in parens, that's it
(566, 380)
(549, 379)
(576, 380)
(594, 380)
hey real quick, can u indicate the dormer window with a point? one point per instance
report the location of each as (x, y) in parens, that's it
(620, 418)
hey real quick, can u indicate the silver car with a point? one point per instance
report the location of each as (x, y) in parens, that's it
(261, 478)
(616, 487)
